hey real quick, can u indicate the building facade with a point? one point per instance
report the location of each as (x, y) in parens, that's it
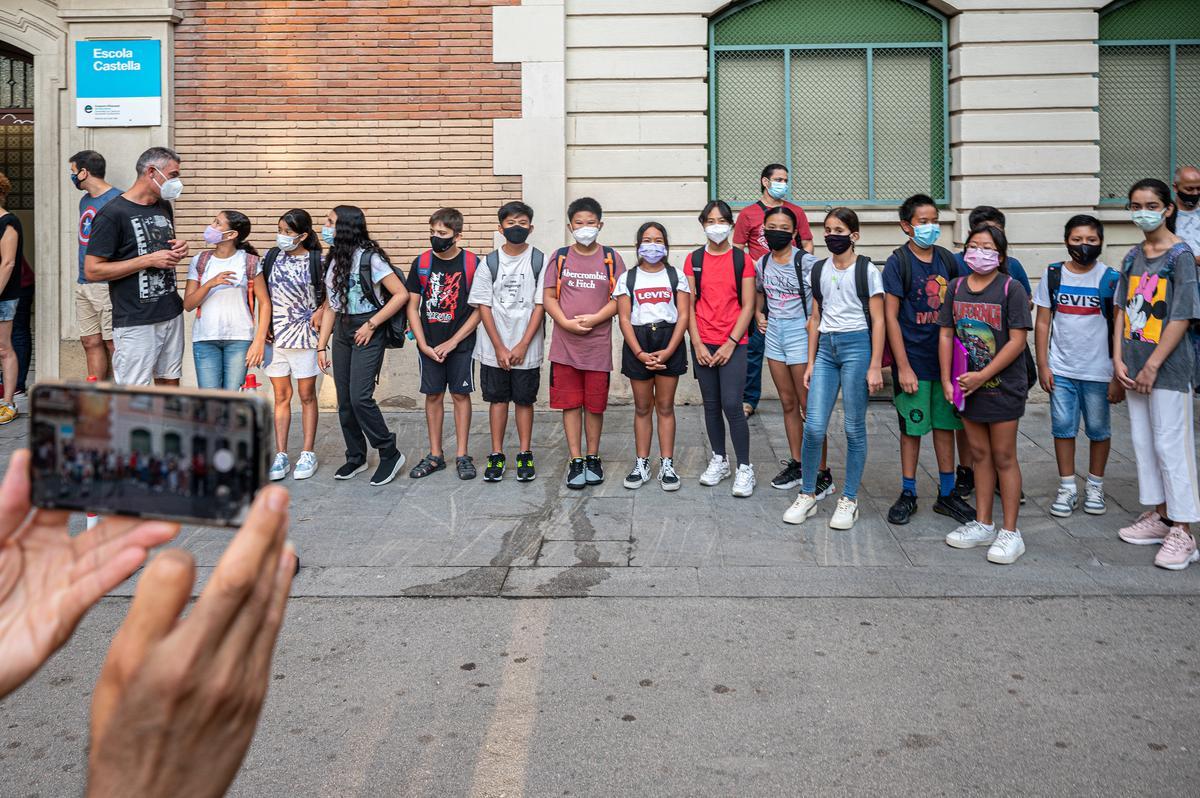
(1043, 108)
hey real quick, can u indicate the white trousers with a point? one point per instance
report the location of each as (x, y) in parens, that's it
(1165, 449)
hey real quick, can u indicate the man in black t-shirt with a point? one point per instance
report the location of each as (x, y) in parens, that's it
(133, 248)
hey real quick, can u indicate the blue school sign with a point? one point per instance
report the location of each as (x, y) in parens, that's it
(118, 83)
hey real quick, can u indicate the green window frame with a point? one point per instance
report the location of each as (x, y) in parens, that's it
(1149, 92)
(844, 101)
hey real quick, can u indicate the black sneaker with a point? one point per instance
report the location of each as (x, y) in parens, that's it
(824, 484)
(429, 463)
(789, 477)
(575, 477)
(667, 477)
(525, 470)
(964, 482)
(953, 506)
(465, 466)
(494, 471)
(350, 470)
(902, 510)
(593, 471)
(998, 492)
(389, 467)
(639, 475)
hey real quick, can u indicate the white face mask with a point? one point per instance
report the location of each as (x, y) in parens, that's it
(717, 233)
(171, 189)
(286, 243)
(586, 236)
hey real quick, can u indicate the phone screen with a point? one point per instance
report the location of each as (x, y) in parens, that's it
(146, 452)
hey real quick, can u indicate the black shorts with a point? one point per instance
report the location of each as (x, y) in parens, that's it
(653, 338)
(519, 386)
(456, 374)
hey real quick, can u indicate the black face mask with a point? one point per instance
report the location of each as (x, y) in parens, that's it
(440, 244)
(1187, 200)
(1084, 254)
(516, 234)
(838, 244)
(778, 239)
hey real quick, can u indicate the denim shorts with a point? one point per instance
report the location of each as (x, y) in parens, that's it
(787, 340)
(8, 309)
(1072, 398)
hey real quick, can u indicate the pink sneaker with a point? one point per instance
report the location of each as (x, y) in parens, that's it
(1178, 550)
(1147, 530)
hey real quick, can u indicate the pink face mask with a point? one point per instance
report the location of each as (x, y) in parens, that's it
(982, 261)
(213, 236)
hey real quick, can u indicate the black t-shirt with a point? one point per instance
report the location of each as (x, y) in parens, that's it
(444, 307)
(12, 289)
(124, 230)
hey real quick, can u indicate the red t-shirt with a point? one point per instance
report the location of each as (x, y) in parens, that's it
(717, 309)
(748, 231)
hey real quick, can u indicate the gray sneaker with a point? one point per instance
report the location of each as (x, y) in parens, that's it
(1093, 499)
(575, 478)
(280, 466)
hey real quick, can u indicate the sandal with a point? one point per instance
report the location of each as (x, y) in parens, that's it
(429, 463)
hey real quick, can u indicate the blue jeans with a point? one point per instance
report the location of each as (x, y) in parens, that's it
(754, 364)
(220, 364)
(1072, 398)
(842, 362)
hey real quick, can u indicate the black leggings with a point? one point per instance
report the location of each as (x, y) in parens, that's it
(722, 389)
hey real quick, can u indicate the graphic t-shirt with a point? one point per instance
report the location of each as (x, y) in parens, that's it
(1187, 227)
(356, 303)
(89, 206)
(293, 302)
(982, 321)
(513, 297)
(1151, 302)
(224, 315)
(445, 304)
(841, 310)
(785, 297)
(585, 289)
(918, 312)
(717, 308)
(748, 229)
(653, 301)
(1079, 332)
(124, 230)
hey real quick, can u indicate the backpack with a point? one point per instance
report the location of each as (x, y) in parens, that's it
(316, 273)
(560, 261)
(251, 271)
(1108, 290)
(672, 278)
(862, 284)
(1168, 268)
(537, 261)
(470, 264)
(739, 268)
(904, 256)
(1030, 366)
(395, 327)
(798, 263)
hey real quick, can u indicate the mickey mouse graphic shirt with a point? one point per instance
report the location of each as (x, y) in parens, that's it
(1154, 293)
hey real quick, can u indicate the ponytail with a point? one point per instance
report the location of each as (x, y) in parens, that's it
(240, 223)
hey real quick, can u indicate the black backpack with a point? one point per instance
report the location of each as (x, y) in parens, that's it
(798, 263)
(672, 278)
(316, 273)
(862, 285)
(1108, 290)
(394, 329)
(739, 268)
(904, 255)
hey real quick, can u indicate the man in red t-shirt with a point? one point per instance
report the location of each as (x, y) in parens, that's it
(748, 232)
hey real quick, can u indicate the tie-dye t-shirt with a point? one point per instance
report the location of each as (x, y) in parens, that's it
(1151, 301)
(293, 302)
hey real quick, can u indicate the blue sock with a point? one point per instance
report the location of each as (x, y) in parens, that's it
(909, 485)
(945, 483)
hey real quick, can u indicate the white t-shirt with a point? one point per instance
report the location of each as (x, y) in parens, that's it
(840, 309)
(224, 315)
(512, 299)
(652, 301)
(1079, 332)
(1187, 227)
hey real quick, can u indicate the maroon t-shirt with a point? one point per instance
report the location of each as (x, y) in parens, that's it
(748, 230)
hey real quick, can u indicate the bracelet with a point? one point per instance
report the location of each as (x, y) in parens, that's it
(735, 341)
(372, 325)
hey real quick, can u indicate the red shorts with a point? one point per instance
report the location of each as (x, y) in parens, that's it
(571, 388)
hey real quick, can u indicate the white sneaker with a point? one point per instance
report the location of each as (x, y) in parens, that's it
(306, 466)
(970, 535)
(1065, 502)
(280, 466)
(1093, 500)
(801, 510)
(845, 514)
(718, 469)
(743, 481)
(640, 474)
(1007, 548)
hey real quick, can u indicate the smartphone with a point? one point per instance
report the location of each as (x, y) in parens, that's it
(148, 452)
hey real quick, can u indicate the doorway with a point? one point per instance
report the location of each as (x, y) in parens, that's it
(17, 149)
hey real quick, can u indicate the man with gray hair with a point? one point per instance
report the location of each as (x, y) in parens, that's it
(133, 248)
(1187, 222)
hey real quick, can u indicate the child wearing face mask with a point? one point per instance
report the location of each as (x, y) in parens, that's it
(987, 313)
(580, 282)
(654, 304)
(233, 309)
(294, 277)
(1155, 360)
(1073, 338)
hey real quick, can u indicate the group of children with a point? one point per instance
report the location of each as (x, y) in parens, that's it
(953, 329)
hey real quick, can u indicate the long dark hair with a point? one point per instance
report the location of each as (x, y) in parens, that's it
(1164, 193)
(350, 233)
(637, 241)
(299, 220)
(240, 223)
(998, 238)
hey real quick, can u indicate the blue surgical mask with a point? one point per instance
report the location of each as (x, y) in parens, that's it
(1148, 221)
(327, 235)
(926, 235)
(778, 189)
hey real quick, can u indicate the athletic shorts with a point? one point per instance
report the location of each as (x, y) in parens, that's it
(298, 363)
(146, 352)
(787, 341)
(653, 338)
(93, 310)
(455, 374)
(519, 386)
(572, 388)
(925, 410)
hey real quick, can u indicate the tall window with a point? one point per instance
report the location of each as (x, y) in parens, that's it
(853, 103)
(16, 126)
(1149, 92)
